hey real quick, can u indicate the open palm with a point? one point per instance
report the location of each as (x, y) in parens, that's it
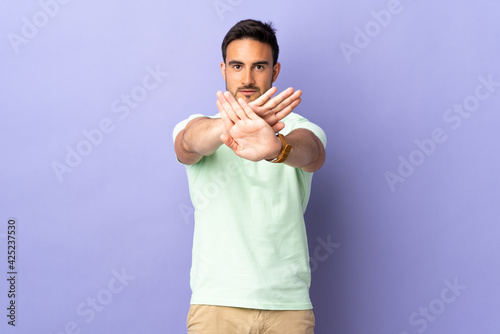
(248, 135)
(273, 109)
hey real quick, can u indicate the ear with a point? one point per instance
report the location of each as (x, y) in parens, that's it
(276, 71)
(223, 70)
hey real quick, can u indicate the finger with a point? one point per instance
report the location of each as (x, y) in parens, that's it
(236, 106)
(248, 111)
(220, 107)
(295, 96)
(228, 123)
(287, 101)
(286, 111)
(264, 97)
(229, 141)
(226, 106)
(275, 101)
(278, 127)
(270, 104)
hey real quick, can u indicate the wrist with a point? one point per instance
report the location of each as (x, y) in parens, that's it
(276, 150)
(285, 150)
(220, 127)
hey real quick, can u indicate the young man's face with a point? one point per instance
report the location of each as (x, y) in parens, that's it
(248, 70)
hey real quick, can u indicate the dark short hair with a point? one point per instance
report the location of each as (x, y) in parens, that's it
(253, 29)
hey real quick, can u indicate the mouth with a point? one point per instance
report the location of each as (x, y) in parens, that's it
(247, 92)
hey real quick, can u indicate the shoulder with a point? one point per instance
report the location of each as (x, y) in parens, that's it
(182, 124)
(295, 121)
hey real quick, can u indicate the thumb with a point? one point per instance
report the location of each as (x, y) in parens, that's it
(229, 141)
(278, 127)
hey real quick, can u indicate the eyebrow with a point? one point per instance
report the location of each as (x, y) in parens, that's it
(238, 62)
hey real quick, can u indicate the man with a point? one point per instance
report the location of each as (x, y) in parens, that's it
(250, 187)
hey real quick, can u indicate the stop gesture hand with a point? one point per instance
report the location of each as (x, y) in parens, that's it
(247, 134)
(274, 109)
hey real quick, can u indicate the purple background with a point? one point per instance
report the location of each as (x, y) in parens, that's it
(125, 207)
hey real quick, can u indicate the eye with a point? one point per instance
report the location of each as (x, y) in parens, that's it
(236, 67)
(259, 67)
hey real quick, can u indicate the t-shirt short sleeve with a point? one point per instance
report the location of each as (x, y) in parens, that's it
(182, 124)
(295, 121)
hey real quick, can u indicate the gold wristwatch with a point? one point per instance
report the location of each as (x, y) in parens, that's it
(285, 150)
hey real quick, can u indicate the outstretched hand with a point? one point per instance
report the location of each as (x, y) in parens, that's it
(274, 109)
(249, 135)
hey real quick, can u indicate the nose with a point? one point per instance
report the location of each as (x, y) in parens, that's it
(248, 78)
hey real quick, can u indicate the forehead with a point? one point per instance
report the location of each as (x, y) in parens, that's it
(248, 50)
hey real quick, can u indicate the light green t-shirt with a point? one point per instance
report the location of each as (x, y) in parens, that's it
(250, 245)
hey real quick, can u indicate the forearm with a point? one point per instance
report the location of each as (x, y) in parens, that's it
(200, 137)
(307, 151)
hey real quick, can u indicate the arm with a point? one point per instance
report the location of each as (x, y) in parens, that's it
(308, 152)
(200, 137)
(252, 138)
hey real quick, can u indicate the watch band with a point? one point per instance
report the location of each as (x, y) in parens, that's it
(285, 150)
